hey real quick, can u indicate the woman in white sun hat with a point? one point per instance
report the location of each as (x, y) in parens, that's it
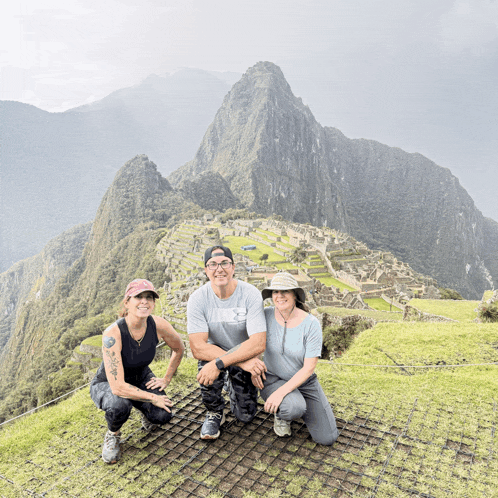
(290, 388)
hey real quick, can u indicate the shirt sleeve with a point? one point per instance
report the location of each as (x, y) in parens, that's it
(313, 340)
(255, 312)
(196, 319)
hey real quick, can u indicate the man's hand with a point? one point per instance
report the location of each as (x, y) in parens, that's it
(208, 373)
(254, 366)
(257, 381)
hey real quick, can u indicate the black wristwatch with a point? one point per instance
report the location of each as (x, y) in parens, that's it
(219, 363)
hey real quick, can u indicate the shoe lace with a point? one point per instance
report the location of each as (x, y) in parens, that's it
(214, 415)
(111, 440)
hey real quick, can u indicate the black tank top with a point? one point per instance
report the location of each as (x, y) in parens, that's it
(134, 357)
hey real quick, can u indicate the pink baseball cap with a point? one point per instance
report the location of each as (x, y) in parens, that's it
(140, 285)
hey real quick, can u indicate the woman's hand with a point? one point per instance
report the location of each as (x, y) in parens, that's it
(162, 402)
(257, 381)
(274, 401)
(254, 366)
(157, 383)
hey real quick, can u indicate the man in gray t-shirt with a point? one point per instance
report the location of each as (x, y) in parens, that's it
(227, 331)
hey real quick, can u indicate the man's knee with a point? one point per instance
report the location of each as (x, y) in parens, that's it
(243, 401)
(245, 415)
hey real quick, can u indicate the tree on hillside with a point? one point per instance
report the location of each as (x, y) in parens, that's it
(263, 257)
(449, 294)
(298, 255)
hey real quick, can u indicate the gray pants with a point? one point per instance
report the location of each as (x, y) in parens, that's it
(117, 409)
(309, 402)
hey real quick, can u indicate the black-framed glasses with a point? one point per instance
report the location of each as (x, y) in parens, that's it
(224, 264)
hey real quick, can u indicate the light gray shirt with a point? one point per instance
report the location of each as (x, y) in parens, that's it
(230, 321)
(284, 359)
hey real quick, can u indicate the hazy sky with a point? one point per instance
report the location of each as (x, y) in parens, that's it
(420, 74)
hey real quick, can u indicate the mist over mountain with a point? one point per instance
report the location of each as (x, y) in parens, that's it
(277, 158)
(57, 166)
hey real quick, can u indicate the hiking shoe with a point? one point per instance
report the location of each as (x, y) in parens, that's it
(282, 427)
(147, 425)
(211, 426)
(111, 451)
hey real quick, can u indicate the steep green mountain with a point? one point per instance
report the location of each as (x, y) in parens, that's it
(35, 278)
(277, 159)
(80, 301)
(57, 166)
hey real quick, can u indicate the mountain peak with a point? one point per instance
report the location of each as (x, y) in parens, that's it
(135, 197)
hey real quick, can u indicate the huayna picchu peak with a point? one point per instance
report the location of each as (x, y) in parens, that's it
(277, 159)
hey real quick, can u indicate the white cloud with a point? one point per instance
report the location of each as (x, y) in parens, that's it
(470, 25)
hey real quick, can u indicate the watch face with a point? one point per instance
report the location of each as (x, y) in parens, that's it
(220, 364)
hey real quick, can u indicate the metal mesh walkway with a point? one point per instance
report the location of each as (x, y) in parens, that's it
(376, 455)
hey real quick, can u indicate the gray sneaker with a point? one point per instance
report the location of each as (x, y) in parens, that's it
(282, 427)
(211, 426)
(147, 425)
(111, 451)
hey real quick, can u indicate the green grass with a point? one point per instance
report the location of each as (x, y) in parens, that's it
(462, 311)
(235, 244)
(95, 340)
(379, 316)
(420, 416)
(380, 304)
(328, 281)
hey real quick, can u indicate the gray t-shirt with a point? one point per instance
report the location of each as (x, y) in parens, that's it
(230, 321)
(304, 341)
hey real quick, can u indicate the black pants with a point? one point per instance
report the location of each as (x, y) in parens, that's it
(243, 394)
(117, 409)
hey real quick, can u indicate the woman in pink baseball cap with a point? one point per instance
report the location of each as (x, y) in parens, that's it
(124, 379)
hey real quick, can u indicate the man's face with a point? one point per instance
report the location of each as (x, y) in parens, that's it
(220, 277)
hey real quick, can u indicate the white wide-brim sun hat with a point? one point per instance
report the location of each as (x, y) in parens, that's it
(284, 281)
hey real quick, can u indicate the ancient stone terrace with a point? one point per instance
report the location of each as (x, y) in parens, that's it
(372, 273)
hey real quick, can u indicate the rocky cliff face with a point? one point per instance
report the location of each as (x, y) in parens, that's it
(209, 190)
(277, 159)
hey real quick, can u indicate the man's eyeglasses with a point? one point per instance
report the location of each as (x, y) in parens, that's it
(224, 264)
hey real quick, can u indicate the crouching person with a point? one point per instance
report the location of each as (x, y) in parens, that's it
(124, 379)
(227, 331)
(290, 387)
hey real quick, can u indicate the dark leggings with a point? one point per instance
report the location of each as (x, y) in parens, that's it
(118, 409)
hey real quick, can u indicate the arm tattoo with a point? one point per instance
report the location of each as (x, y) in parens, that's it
(112, 363)
(109, 341)
(138, 397)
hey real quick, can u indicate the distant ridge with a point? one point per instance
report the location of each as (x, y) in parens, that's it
(57, 166)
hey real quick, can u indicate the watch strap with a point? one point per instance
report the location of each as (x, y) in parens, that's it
(219, 363)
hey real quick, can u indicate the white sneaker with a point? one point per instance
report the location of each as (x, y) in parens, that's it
(111, 451)
(282, 427)
(147, 425)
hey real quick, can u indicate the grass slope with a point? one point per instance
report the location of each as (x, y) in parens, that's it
(457, 310)
(427, 431)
